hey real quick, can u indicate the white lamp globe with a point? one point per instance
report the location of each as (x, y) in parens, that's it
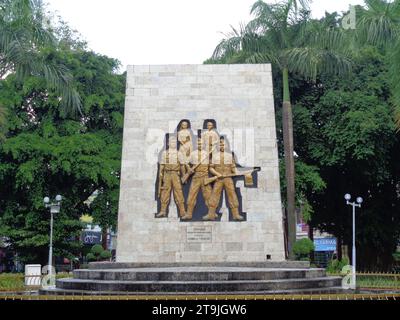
(46, 200)
(347, 196)
(58, 198)
(359, 200)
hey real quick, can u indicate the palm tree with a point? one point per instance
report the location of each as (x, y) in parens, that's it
(379, 24)
(24, 41)
(281, 34)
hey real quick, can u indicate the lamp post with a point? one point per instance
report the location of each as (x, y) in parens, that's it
(54, 208)
(359, 200)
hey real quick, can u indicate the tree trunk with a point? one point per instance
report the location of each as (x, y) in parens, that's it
(287, 121)
(311, 236)
(285, 236)
(104, 238)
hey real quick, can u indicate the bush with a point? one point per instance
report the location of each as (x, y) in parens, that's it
(97, 253)
(97, 250)
(335, 266)
(91, 257)
(105, 255)
(302, 249)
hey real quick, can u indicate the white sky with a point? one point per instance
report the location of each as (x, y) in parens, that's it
(162, 31)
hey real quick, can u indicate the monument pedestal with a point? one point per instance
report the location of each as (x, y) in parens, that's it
(197, 279)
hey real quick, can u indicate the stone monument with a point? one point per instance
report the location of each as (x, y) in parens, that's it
(176, 117)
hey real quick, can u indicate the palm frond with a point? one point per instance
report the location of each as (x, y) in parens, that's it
(379, 23)
(23, 38)
(230, 45)
(261, 8)
(250, 46)
(322, 51)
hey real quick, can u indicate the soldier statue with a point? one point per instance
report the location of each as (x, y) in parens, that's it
(198, 167)
(210, 136)
(223, 167)
(171, 168)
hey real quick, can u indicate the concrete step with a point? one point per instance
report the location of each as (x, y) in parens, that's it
(198, 286)
(262, 264)
(197, 274)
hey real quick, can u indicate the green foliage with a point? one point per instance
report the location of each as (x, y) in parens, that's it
(378, 25)
(396, 256)
(47, 153)
(3, 114)
(91, 257)
(97, 249)
(104, 207)
(97, 253)
(16, 281)
(302, 249)
(284, 35)
(335, 266)
(105, 255)
(345, 128)
(308, 181)
(376, 281)
(11, 281)
(27, 48)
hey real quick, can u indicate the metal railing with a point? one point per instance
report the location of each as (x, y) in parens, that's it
(208, 297)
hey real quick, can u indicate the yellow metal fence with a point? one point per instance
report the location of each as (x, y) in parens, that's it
(270, 297)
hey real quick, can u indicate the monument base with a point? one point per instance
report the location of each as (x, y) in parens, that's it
(201, 279)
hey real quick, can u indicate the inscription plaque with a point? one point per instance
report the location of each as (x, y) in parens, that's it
(199, 234)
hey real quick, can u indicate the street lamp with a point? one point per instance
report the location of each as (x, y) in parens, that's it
(358, 202)
(54, 208)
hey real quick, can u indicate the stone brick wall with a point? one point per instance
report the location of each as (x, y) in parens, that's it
(157, 98)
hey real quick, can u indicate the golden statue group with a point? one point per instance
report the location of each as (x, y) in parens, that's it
(211, 168)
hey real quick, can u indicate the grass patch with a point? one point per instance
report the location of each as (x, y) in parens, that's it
(383, 281)
(12, 281)
(16, 281)
(375, 280)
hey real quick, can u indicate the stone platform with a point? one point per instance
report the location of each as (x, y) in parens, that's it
(117, 279)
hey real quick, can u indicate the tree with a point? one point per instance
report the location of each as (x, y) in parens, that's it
(104, 210)
(27, 47)
(283, 35)
(47, 154)
(379, 24)
(345, 128)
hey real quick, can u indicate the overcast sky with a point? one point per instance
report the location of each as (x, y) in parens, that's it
(162, 31)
